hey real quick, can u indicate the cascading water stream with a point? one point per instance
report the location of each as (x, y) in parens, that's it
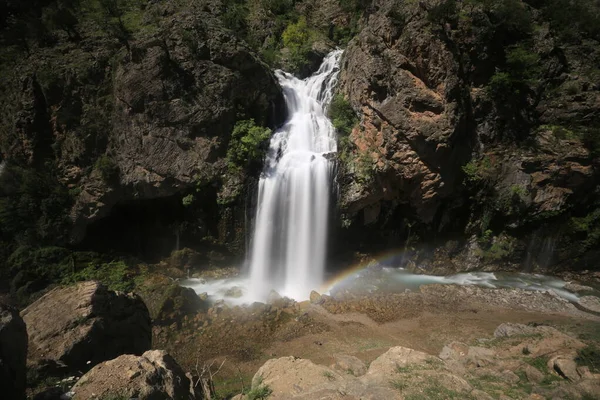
(289, 240)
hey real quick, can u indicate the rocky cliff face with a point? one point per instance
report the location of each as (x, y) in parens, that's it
(476, 121)
(477, 137)
(146, 115)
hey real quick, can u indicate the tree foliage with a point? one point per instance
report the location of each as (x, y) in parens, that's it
(342, 115)
(248, 143)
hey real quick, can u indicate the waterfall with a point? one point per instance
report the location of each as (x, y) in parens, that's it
(289, 241)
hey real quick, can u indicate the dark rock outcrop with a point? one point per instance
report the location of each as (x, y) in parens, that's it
(13, 353)
(177, 98)
(85, 324)
(168, 302)
(153, 375)
(140, 119)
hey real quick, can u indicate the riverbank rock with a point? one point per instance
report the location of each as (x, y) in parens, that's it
(154, 375)
(590, 304)
(13, 353)
(85, 324)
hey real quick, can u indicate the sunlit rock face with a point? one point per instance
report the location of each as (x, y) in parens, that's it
(421, 87)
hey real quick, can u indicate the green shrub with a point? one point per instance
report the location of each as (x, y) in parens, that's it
(589, 356)
(235, 15)
(496, 248)
(342, 115)
(116, 275)
(33, 206)
(187, 200)
(298, 39)
(520, 70)
(107, 167)
(248, 143)
(479, 170)
(573, 19)
(260, 392)
(588, 229)
(560, 132)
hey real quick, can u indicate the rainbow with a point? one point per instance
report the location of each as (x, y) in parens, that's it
(391, 258)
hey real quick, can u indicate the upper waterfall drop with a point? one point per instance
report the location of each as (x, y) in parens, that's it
(289, 241)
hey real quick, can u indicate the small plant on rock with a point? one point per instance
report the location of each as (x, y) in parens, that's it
(260, 392)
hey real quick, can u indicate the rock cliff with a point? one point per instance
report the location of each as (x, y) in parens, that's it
(477, 143)
(143, 113)
(476, 120)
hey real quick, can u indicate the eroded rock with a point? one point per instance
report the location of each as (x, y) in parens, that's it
(154, 375)
(85, 324)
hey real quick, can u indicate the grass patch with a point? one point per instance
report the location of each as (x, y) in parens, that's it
(540, 363)
(398, 384)
(116, 275)
(589, 357)
(260, 392)
(438, 392)
(329, 375)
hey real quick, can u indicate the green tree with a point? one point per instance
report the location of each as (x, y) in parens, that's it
(298, 39)
(247, 143)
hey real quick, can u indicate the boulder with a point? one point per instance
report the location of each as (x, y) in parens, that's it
(168, 302)
(533, 374)
(295, 378)
(397, 358)
(316, 298)
(289, 377)
(154, 375)
(94, 324)
(13, 353)
(567, 368)
(349, 365)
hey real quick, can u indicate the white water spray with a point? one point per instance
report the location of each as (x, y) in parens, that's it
(289, 241)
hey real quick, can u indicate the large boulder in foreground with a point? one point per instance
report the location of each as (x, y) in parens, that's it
(85, 324)
(13, 353)
(154, 375)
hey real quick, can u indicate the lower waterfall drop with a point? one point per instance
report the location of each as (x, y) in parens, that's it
(289, 241)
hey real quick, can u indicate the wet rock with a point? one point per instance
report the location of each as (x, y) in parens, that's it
(577, 288)
(13, 353)
(179, 303)
(315, 298)
(167, 301)
(94, 324)
(234, 292)
(349, 364)
(154, 375)
(273, 297)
